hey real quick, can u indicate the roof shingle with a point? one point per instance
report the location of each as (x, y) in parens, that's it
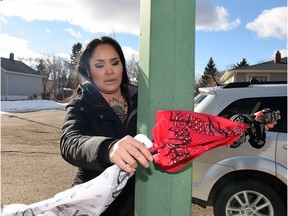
(270, 65)
(17, 66)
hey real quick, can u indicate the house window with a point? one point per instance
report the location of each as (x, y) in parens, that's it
(261, 78)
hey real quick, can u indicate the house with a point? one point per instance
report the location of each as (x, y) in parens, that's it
(266, 71)
(19, 81)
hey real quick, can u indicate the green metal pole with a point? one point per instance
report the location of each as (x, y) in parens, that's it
(166, 81)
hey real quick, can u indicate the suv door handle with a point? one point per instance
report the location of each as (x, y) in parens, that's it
(285, 146)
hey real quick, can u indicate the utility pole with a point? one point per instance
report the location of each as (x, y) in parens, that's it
(166, 81)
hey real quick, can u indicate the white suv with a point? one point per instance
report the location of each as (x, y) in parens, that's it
(244, 180)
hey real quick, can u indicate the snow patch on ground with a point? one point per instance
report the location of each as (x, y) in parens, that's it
(30, 105)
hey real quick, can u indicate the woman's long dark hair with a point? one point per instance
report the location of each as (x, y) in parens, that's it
(83, 64)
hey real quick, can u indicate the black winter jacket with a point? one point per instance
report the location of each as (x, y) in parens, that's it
(90, 128)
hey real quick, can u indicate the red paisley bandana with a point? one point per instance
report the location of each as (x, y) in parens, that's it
(181, 136)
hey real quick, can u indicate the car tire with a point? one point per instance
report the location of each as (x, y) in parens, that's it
(261, 199)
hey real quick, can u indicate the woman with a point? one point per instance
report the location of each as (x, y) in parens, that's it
(101, 121)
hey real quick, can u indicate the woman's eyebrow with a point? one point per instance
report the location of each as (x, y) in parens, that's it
(116, 58)
(112, 59)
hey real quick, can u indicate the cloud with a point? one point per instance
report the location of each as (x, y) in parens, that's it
(20, 49)
(3, 19)
(213, 18)
(16, 45)
(94, 16)
(73, 32)
(23, 52)
(109, 16)
(270, 24)
(129, 53)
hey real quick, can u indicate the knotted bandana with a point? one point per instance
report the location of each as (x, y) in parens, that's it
(181, 136)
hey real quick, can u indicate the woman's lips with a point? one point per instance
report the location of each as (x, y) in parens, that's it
(110, 82)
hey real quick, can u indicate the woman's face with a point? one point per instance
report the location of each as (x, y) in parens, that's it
(106, 69)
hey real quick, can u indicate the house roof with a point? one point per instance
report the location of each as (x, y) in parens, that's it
(13, 65)
(265, 66)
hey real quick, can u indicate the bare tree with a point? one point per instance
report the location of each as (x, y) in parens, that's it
(133, 70)
(55, 70)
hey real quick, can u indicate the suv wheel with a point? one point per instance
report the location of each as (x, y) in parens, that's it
(248, 198)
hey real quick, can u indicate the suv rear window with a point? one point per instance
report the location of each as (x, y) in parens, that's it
(199, 98)
(252, 105)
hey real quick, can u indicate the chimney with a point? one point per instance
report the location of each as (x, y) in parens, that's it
(277, 57)
(11, 57)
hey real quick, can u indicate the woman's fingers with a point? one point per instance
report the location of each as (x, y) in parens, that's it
(137, 152)
(127, 152)
(124, 166)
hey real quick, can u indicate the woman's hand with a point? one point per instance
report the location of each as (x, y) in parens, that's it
(127, 152)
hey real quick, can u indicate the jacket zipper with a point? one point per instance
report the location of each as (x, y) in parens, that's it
(130, 116)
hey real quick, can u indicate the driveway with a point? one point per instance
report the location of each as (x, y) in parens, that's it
(32, 168)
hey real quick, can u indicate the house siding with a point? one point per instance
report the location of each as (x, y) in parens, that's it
(270, 76)
(240, 77)
(278, 76)
(18, 86)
